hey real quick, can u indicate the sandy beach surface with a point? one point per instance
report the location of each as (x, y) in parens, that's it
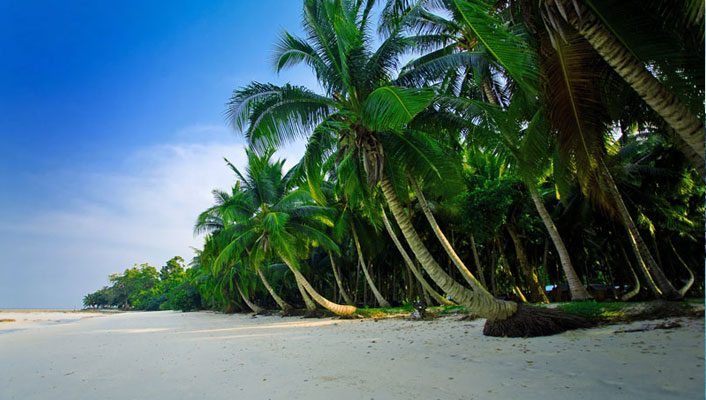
(203, 355)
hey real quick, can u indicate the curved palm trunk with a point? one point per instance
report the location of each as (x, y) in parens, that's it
(644, 270)
(280, 301)
(308, 302)
(479, 301)
(481, 276)
(537, 294)
(337, 276)
(629, 295)
(378, 296)
(688, 283)
(254, 307)
(633, 71)
(578, 292)
(639, 245)
(408, 261)
(337, 309)
(467, 275)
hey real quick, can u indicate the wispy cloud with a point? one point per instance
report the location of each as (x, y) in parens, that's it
(142, 213)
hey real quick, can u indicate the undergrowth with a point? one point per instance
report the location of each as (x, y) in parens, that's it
(604, 311)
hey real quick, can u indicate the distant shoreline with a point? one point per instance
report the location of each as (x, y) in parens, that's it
(57, 310)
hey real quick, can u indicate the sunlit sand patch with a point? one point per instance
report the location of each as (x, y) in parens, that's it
(274, 326)
(252, 335)
(146, 330)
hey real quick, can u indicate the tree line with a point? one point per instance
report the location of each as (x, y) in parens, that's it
(144, 288)
(526, 144)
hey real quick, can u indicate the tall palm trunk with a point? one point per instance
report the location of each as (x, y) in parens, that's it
(537, 294)
(286, 308)
(467, 275)
(337, 309)
(633, 71)
(481, 276)
(408, 261)
(635, 290)
(506, 266)
(378, 296)
(644, 270)
(479, 301)
(254, 307)
(643, 252)
(543, 279)
(339, 282)
(308, 302)
(576, 288)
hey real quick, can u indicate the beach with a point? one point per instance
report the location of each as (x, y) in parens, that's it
(205, 355)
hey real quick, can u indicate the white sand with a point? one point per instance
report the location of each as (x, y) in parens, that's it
(14, 320)
(172, 355)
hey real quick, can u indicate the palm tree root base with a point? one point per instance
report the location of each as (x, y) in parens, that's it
(289, 312)
(531, 321)
(261, 313)
(658, 309)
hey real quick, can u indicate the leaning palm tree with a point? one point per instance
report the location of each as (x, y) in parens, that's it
(592, 21)
(367, 113)
(468, 50)
(410, 264)
(570, 63)
(352, 211)
(577, 114)
(277, 223)
(229, 208)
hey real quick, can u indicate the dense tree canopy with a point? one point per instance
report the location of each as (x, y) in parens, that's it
(527, 145)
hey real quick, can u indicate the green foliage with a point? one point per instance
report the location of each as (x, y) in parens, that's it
(385, 312)
(594, 310)
(391, 108)
(485, 208)
(494, 94)
(144, 289)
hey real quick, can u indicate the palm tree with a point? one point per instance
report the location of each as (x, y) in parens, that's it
(350, 203)
(229, 209)
(275, 223)
(471, 50)
(579, 117)
(367, 112)
(591, 23)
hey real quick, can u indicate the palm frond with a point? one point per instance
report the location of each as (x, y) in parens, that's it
(391, 107)
(507, 50)
(574, 107)
(270, 115)
(423, 158)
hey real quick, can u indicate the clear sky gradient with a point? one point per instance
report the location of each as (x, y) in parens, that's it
(112, 132)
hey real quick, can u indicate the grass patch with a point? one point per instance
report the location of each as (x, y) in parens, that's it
(408, 309)
(618, 312)
(7, 320)
(384, 312)
(603, 311)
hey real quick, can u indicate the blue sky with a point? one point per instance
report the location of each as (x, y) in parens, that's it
(112, 132)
